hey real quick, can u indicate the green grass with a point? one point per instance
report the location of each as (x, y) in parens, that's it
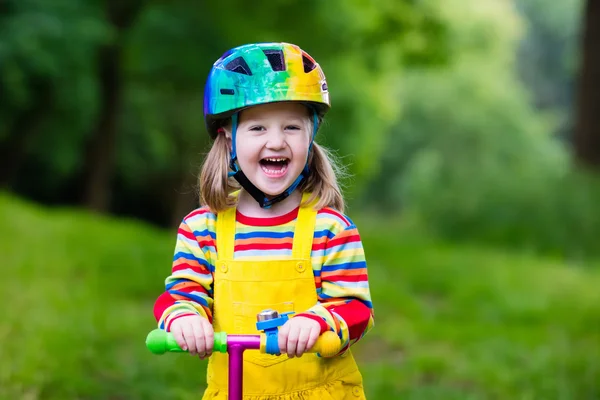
(451, 322)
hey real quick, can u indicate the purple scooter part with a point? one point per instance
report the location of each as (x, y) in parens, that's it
(236, 345)
(328, 344)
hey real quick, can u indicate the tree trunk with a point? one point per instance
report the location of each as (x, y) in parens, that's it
(587, 125)
(100, 152)
(101, 147)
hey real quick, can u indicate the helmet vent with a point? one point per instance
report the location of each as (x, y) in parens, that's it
(238, 65)
(276, 59)
(309, 63)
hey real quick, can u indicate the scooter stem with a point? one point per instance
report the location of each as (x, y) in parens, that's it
(236, 345)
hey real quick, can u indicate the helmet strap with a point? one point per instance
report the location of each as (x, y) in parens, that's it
(237, 174)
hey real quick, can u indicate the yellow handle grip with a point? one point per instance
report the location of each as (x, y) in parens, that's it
(327, 345)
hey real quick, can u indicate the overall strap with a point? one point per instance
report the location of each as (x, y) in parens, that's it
(226, 234)
(305, 230)
(303, 233)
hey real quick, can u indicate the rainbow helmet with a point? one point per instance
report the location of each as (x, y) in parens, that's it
(261, 73)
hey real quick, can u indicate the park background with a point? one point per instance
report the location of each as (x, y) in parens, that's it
(471, 134)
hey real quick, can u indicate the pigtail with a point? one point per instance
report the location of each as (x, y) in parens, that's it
(323, 179)
(215, 185)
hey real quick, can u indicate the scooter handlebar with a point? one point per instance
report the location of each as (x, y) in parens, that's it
(159, 341)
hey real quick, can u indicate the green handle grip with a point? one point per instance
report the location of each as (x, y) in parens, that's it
(159, 341)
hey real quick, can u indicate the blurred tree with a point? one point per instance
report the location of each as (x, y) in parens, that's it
(587, 128)
(473, 159)
(472, 115)
(23, 127)
(99, 160)
(47, 94)
(125, 83)
(547, 59)
(42, 54)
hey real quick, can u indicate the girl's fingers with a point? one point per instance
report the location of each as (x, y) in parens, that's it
(313, 335)
(208, 338)
(292, 340)
(282, 337)
(190, 340)
(303, 337)
(178, 335)
(199, 339)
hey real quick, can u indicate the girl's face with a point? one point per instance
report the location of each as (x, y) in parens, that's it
(272, 144)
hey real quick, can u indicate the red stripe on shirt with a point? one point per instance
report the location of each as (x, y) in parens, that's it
(271, 221)
(261, 246)
(345, 278)
(336, 213)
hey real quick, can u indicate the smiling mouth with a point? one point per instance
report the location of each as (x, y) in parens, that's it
(274, 166)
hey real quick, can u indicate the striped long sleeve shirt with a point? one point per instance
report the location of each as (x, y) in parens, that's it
(338, 262)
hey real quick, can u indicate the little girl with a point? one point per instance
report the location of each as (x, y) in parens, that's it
(271, 233)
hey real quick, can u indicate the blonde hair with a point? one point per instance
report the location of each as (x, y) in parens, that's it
(216, 187)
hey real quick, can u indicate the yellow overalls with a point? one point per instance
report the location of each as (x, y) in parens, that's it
(244, 288)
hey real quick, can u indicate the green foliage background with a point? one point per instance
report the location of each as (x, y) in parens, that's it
(454, 118)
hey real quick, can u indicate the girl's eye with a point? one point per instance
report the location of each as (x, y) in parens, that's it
(292, 127)
(257, 128)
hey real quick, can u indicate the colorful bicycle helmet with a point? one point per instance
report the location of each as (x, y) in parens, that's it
(262, 73)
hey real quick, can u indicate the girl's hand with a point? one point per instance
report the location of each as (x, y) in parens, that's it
(194, 334)
(297, 335)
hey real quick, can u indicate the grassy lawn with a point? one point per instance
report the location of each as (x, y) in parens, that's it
(452, 322)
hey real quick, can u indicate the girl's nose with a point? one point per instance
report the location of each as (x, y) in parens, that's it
(276, 139)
